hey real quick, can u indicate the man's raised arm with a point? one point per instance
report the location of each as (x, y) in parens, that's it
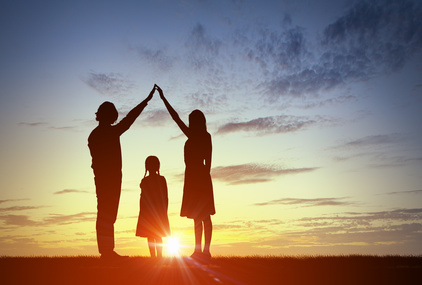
(127, 121)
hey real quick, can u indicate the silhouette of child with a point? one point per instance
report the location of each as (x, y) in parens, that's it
(153, 221)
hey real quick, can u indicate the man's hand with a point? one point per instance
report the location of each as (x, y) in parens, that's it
(151, 93)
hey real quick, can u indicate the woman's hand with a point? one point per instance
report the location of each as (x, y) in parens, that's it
(159, 91)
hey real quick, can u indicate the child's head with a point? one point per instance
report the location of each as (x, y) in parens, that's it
(152, 164)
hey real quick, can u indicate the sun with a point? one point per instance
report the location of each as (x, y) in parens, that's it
(173, 246)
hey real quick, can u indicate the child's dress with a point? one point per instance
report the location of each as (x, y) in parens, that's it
(153, 220)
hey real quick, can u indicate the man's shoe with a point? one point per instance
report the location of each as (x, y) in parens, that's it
(113, 256)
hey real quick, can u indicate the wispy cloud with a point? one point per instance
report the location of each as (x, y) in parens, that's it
(253, 173)
(414, 214)
(18, 220)
(159, 57)
(269, 125)
(20, 208)
(377, 150)
(46, 125)
(374, 140)
(155, 118)
(309, 202)
(202, 48)
(69, 219)
(384, 231)
(68, 191)
(371, 38)
(12, 200)
(415, 192)
(33, 124)
(376, 35)
(207, 101)
(109, 84)
(52, 219)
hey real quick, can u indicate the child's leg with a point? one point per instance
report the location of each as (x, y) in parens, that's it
(198, 235)
(151, 246)
(159, 245)
(207, 234)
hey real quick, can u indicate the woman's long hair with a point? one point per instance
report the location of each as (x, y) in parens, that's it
(197, 122)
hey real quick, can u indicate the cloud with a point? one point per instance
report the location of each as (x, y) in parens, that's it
(309, 202)
(252, 173)
(207, 101)
(69, 219)
(272, 125)
(364, 218)
(34, 124)
(371, 38)
(200, 51)
(19, 208)
(47, 125)
(52, 219)
(385, 231)
(377, 150)
(416, 192)
(374, 140)
(331, 101)
(202, 48)
(12, 200)
(67, 191)
(109, 84)
(377, 34)
(18, 220)
(155, 117)
(158, 57)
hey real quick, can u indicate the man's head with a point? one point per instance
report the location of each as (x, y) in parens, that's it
(107, 113)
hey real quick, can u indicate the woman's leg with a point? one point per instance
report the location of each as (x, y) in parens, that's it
(198, 235)
(207, 234)
(159, 246)
(151, 246)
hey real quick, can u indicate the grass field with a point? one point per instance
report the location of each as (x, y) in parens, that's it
(220, 270)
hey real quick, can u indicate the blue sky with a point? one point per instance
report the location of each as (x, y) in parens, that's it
(314, 108)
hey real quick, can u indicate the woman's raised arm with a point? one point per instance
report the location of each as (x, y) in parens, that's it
(173, 113)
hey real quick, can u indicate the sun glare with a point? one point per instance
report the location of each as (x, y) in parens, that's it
(173, 246)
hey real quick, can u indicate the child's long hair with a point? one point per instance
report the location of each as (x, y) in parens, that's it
(152, 164)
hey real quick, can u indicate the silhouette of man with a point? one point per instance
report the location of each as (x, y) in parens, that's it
(104, 145)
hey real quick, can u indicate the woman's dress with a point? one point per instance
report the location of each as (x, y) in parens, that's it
(198, 197)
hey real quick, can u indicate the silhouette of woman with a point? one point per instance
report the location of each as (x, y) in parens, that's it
(198, 197)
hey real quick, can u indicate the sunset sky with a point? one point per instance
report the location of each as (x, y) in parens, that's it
(314, 107)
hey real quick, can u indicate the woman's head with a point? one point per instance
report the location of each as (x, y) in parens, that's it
(107, 113)
(152, 164)
(197, 122)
